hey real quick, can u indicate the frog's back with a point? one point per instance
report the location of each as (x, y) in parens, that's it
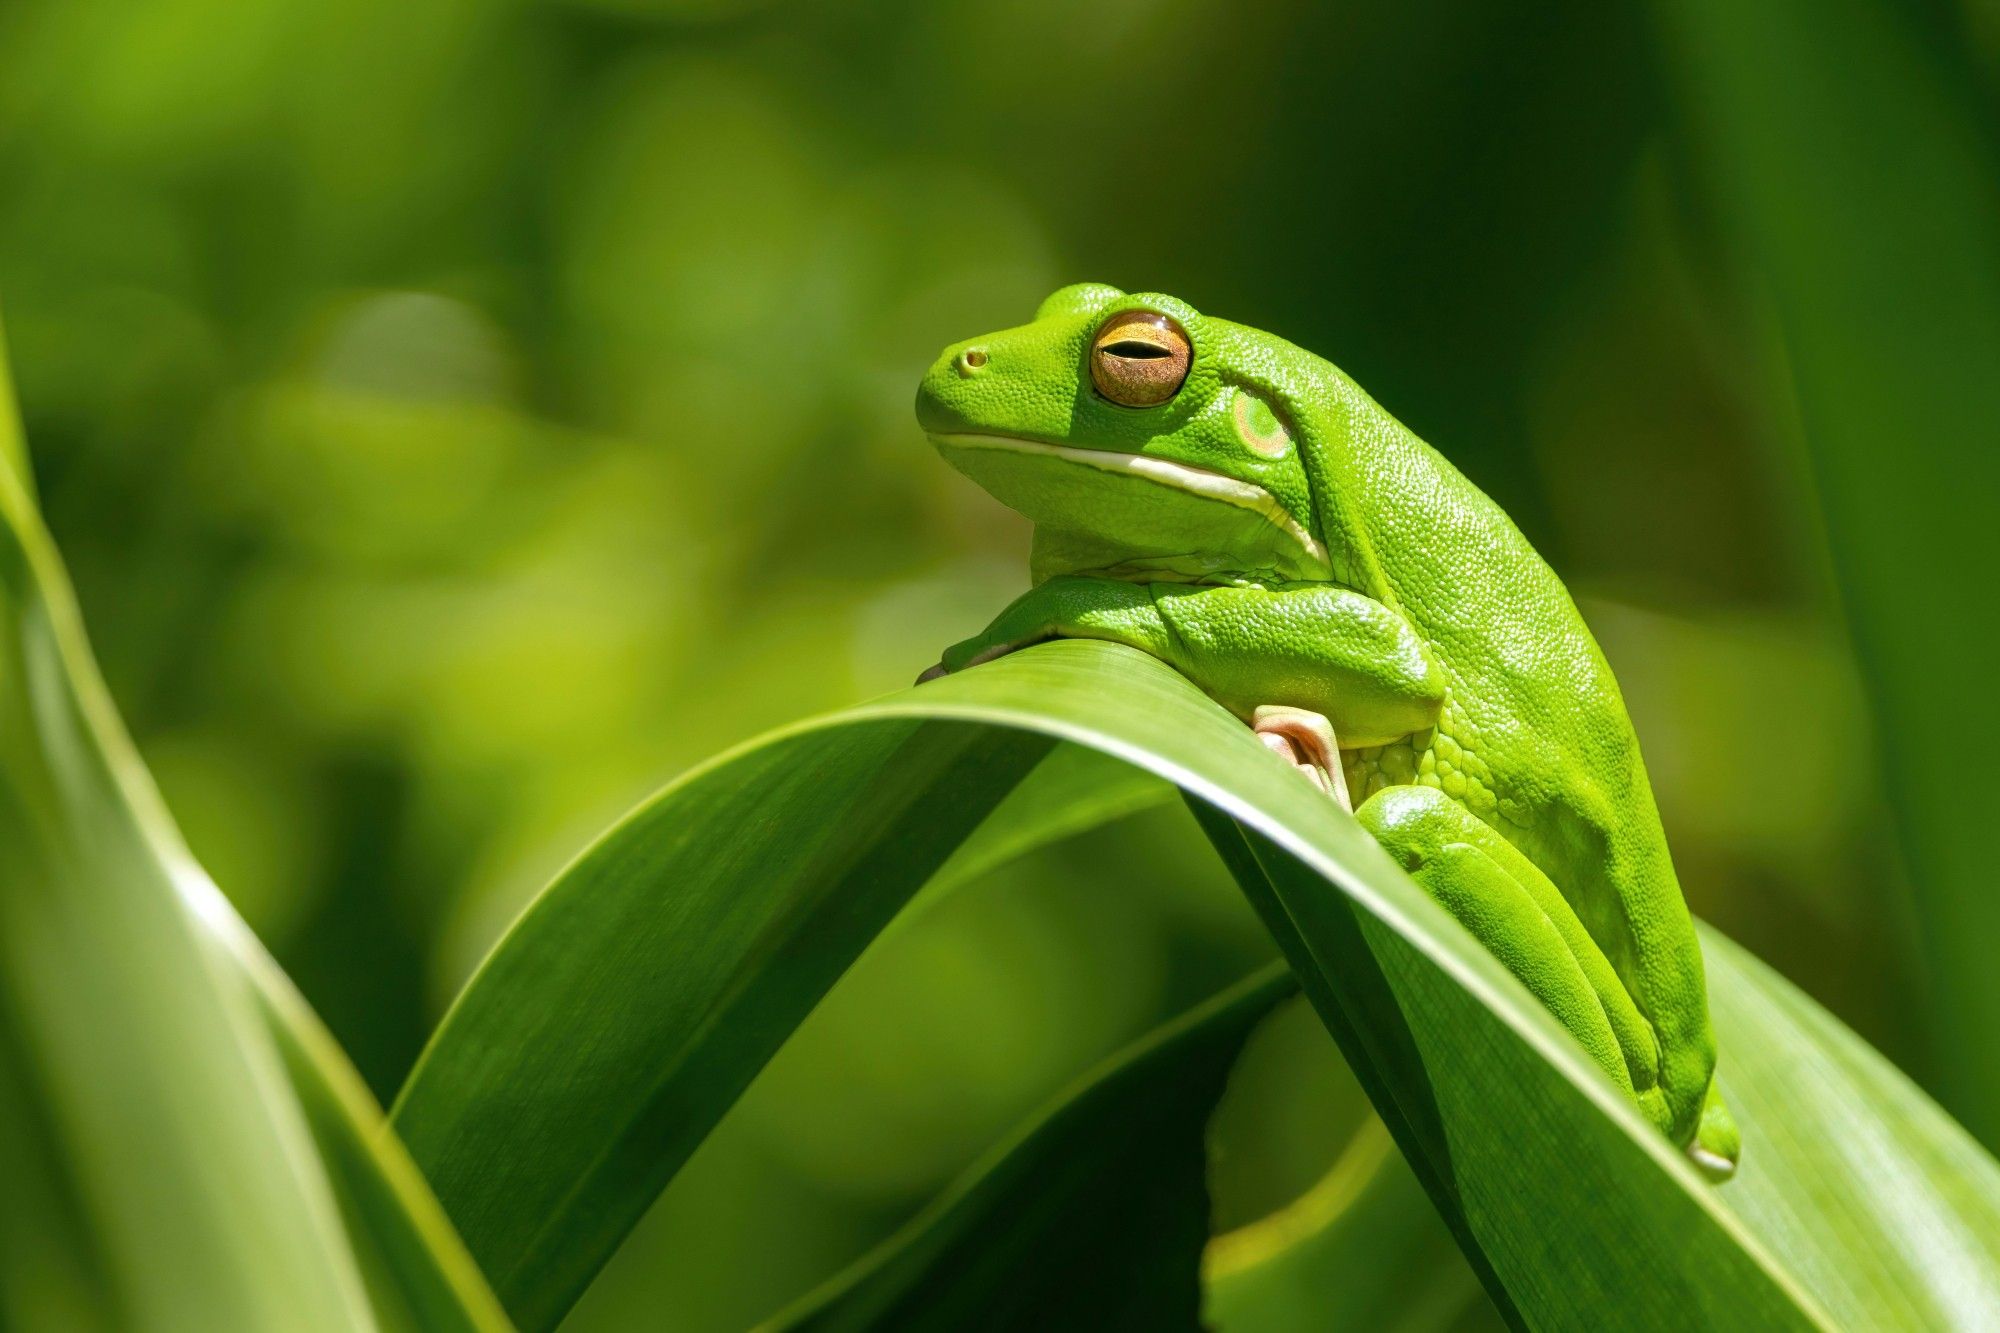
(1534, 738)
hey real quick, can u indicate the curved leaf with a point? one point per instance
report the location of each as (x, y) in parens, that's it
(642, 991)
(1882, 1205)
(637, 997)
(151, 1098)
(418, 1273)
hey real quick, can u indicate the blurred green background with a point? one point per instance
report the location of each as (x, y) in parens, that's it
(461, 417)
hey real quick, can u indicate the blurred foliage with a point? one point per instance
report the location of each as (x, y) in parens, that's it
(1886, 300)
(461, 417)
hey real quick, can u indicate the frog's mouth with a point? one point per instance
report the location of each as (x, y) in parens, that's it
(1133, 515)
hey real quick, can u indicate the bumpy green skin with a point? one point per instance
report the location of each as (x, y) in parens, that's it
(1309, 551)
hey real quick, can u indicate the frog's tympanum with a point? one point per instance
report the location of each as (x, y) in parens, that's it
(1238, 508)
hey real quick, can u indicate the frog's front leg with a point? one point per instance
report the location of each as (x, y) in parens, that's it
(1309, 648)
(1070, 607)
(1513, 909)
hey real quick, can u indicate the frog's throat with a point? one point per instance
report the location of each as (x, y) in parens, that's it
(1185, 477)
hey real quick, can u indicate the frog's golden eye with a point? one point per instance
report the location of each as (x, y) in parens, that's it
(1139, 359)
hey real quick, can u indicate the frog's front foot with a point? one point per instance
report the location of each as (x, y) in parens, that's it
(971, 653)
(1306, 740)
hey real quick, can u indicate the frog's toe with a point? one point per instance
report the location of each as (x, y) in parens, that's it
(1717, 1145)
(1286, 749)
(1306, 739)
(1710, 1163)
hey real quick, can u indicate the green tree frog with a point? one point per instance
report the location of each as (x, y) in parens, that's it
(1239, 508)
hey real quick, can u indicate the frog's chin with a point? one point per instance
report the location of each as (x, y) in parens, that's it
(1133, 515)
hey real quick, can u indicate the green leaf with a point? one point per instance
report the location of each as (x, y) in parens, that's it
(1093, 1215)
(1341, 974)
(1882, 1205)
(198, 1151)
(13, 446)
(1850, 155)
(418, 1273)
(138, 1071)
(645, 987)
(1508, 1127)
(1861, 1183)
(632, 1002)
(1874, 1197)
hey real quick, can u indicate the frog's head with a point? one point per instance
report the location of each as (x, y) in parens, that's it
(1142, 438)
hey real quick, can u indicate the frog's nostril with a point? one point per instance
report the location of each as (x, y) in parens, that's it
(971, 361)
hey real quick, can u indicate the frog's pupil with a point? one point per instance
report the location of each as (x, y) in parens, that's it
(1134, 350)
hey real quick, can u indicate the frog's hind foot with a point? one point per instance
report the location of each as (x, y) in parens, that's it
(1717, 1146)
(1305, 739)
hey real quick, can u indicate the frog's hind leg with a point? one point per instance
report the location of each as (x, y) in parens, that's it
(1306, 739)
(1513, 909)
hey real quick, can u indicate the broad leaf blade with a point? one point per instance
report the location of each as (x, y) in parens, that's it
(1882, 1205)
(1865, 1187)
(1094, 1215)
(1321, 935)
(1510, 1133)
(627, 1014)
(416, 1268)
(635, 999)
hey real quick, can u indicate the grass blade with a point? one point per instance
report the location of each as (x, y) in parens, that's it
(204, 1155)
(418, 1273)
(1321, 936)
(137, 1055)
(1885, 1206)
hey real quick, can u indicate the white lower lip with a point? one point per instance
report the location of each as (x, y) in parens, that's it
(1180, 476)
